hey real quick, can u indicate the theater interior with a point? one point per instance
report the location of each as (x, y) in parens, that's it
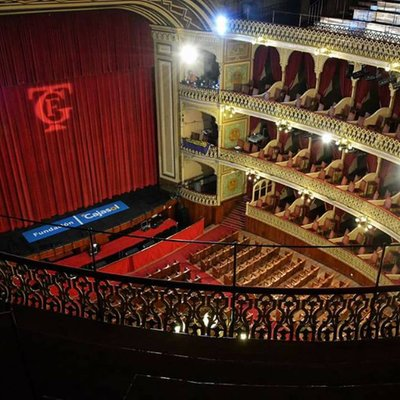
(199, 199)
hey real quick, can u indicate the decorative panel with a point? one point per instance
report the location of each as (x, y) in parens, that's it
(233, 185)
(233, 131)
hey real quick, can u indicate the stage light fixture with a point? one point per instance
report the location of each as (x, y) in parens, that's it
(189, 54)
(221, 25)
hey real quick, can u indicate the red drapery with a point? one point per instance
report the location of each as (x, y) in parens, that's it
(349, 158)
(309, 70)
(275, 64)
(345, 82)
(254, 121)
(327, 75)
(372, 162)
(260, 58)
(383, 91)
(396, 105)
(292, 68)
(77, 118)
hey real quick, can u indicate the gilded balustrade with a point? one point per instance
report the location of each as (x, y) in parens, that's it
(379, 217)
(199, 198)
(313, 239)
(367, 140)
(371, 48)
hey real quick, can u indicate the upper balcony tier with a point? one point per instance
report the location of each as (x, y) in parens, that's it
(379, 50)
(362, 138)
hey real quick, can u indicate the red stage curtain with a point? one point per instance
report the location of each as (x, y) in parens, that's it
(260, 58)
(345, 83)
(327, 75)
(309, 70)
(99, 66)
(292, 68)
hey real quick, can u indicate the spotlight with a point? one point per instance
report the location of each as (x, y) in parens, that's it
(326, 137)
(221, 24)
(243, 336)
(189, 54)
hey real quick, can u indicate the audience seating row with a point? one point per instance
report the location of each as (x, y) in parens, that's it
(251, 265)
(303, 277)
(173, 272)
(202, 253)
(223, 254)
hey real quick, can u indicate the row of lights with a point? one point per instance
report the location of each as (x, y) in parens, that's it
(306, 195)
(252, 176)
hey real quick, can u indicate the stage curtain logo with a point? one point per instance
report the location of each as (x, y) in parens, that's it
(51, 105)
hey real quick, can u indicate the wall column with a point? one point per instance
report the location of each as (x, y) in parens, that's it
(166, 87)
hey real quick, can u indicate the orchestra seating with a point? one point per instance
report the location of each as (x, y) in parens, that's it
(173, 272)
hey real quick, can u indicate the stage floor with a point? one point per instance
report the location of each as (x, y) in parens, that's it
(139, 202)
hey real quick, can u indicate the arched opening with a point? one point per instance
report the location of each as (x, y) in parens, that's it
(199, 177)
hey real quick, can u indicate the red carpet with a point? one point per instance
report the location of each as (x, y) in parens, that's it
(182, 256)
(237, 217)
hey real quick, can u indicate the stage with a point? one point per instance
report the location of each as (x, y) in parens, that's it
(140, 205)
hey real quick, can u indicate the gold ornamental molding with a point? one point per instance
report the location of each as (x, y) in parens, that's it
(312, 239)
(371, 142)
(187, 14)
(373, 51)
(379, 217)
(199, 198)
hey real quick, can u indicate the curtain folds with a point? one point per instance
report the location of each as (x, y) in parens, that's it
(96, 70)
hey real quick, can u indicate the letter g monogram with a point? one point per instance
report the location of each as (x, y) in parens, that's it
(51, 105)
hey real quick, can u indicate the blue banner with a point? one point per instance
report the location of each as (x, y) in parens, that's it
(85, 217)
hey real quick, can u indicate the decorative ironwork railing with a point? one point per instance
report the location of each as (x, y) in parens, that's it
(196, 309)
(199, 147)
(372, 142)
(200, 198)
(332, 40)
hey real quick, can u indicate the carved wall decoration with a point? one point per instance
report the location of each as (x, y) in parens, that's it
(235, 51)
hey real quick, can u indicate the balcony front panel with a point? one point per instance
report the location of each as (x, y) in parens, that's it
(313, 239)
(375, 51)
(325, 191)
(371, 142)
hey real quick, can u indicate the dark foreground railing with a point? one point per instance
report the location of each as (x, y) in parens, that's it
(202, 310)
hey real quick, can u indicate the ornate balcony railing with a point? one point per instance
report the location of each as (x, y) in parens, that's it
(199, 147)
(313, 239)
(334, 41)
(199, 198)
(323, 315)
(381, 217)
(367, 140)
